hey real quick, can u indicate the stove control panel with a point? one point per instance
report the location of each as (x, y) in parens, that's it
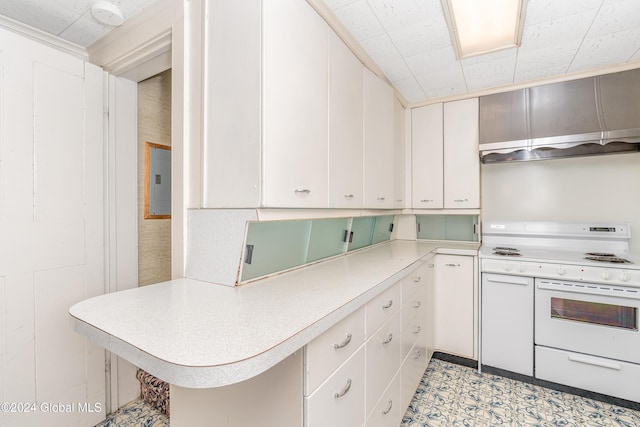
(578, 273)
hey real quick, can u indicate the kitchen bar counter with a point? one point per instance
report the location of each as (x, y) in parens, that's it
(196, 334)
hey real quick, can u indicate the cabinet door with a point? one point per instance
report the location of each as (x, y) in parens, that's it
(461, 159)
(412, 371)
(400, 120)
(294, 105)
(345, 126)
(378, 142)
(426, 157)
(454, 312)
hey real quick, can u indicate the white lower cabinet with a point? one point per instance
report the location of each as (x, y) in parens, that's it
(339, 401)
(389, 410)
(368, 366)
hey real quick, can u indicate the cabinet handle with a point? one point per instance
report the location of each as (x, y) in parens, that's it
(388, 339)
(431, 265)
(589, 361)
(382, 199)
(417, 304)
(426, 200)
(418, 355)
(388, 305)
(386, 410)
(417, 279)
(344, 343)
(344, 390)
(460, 200)
(302, 191)
(452, 265)
(349, 196)
(416, 330)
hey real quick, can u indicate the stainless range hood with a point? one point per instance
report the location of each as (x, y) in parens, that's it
(585, 117)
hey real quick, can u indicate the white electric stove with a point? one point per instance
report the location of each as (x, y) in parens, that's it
(560, 302)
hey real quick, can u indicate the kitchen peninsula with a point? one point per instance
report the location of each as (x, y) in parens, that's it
(224, 348)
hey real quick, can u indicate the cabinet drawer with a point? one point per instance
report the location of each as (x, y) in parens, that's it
(611, 377)
(413, 321)
(412, 284)
(389, 411)
(339, 401)
(324, 354)
(383, 359)
(412, 371)
(382, 307)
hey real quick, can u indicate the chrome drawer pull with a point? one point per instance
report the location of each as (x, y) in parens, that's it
(388, 408)
(388, 340)
(302, 191)
(461, 200)
(382, 199)
(388, 305)
(598, 363)
(417, 279)
(452, 265)
(416, 330)
(349, 196)
(344, 390)
(426, 200)
(417, 304)
(344, 343)
(418, 355)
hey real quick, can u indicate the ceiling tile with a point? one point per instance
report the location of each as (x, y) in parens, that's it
(385, 55)
(552, 56)
(421, 37)
(496, 72)
(85, 30)
(609, 49)
(539, 11)
(48, 16)
(531, 74)
(557, 30)
(449, 80)
(360, 20)
(394, 14)
(432, 61)
(615, 17)
(334, 4)
(410, 89)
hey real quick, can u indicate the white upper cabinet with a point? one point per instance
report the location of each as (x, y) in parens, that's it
(461, 161)
(426, 157)
(266, 105)
(294, 105)
(345, 126)
(445, 163)
(400, 155)
(378, 142)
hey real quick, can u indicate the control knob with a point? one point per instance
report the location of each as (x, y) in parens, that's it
(606, 275)
(624, 276)
(508, 267)
(522, 268)
(561, 271)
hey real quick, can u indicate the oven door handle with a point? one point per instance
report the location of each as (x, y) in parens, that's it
(590, 291)
(594, 362)
(523, 281)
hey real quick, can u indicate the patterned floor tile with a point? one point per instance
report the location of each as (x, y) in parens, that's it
(460, 396)
(136, 414)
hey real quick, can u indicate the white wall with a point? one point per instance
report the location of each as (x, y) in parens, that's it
(602, 188)
(51, 230)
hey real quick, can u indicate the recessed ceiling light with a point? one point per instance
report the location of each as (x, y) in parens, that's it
(479, 27)
(107, 13)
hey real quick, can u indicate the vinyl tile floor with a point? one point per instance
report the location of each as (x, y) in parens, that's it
(451, 395)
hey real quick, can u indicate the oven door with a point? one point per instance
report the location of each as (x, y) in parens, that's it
(594, 319)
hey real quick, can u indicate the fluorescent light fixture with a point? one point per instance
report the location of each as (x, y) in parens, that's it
(483, 26)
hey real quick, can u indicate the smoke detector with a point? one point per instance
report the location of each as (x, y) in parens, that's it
(107, 13)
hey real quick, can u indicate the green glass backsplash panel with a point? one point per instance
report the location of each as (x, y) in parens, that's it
(447, 227)
(277, 246)
(382, 229)
(362, 228)
(327, 238)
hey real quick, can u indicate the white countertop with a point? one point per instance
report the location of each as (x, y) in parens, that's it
(197, 334)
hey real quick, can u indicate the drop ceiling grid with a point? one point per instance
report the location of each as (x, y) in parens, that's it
(409, 40)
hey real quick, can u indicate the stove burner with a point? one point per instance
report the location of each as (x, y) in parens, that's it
(613, 259)
(506, 252)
